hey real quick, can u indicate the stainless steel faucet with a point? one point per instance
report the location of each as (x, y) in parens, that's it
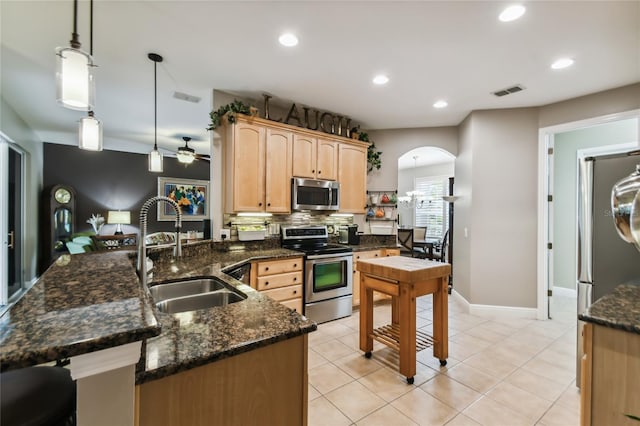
(142, 249)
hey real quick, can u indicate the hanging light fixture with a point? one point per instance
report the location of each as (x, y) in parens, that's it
(413, 199)
(155, 156)
(90, 128)
(90, 133)
(75, 88)
(185, 154)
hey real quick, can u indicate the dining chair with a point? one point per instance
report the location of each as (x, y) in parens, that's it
(419, 234)
(440, 253)
(405, 239)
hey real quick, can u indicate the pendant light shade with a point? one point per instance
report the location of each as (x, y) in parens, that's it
(90, 133)
(185, 154)
(155, 157)
(75, 87)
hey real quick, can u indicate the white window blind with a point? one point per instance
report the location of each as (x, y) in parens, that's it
(432, 212)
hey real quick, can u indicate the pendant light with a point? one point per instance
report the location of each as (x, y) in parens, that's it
(90, 129)
(155, 156)
(75, 87)
(185, 154)
(90, 133)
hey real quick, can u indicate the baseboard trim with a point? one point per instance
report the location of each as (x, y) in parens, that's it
(563, 291)
(492, 311)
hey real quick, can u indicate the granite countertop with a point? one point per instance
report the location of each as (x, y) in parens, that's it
(620, 309)
(191, 339)
(82, 303)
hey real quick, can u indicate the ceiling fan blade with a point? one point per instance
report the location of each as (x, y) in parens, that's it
(203, 157)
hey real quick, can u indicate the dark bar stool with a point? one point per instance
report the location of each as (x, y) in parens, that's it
(37, 396)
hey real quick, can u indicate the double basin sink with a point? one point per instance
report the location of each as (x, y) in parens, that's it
(194, 294)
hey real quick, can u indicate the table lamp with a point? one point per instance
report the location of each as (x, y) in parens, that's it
(119, 218)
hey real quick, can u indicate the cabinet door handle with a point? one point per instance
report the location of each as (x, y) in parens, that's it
(313, 171)
(11, 239)
(295, 278)
(295, 265)
(295, 291)
(266, 283)
(319, 171)
(268, 204)
(266, 269)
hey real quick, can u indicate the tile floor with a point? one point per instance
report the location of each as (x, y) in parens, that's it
(499, 372)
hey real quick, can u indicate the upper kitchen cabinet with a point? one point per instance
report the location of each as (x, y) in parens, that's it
(314, 158)
(352, 175)
(257, 168)
(279, 146)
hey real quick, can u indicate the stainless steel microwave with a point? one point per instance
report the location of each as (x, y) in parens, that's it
(313, 194)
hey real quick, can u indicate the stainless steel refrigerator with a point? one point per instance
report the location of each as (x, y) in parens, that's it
(604, 259)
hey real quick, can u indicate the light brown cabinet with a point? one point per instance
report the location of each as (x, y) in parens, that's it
(314, 158)
(267, 385)
(257, 171)
(281, 280)
(609, 376)
(352, 175)
(362, 255)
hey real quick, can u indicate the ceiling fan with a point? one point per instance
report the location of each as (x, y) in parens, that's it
(187, 155)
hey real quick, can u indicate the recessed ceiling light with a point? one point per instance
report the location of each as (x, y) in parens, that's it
(512, 13)
(288, 39)
(440, 104)
(562, 63)
(381, 79)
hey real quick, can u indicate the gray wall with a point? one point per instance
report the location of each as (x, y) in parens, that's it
(565, 189)
(14, 127)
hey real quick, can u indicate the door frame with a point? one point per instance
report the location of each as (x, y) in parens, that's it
(545, 230)
(7, 143)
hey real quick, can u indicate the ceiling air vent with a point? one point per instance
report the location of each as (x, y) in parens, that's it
(509, 90)
(185, 97)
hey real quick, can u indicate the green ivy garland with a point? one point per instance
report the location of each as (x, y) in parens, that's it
(373, 155)
(235, 107)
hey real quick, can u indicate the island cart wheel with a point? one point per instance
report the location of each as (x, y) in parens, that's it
(443, 362)
(410, 380)
(367, 354)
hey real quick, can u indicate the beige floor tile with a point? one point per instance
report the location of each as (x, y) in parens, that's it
(355, 400)
(556, 357)
(491, 365)
(550, 371)
(570, 398)
(520, 401)
(466, 339)
(500, 327)
(328, 377)
(472, 377)
(509, 353)
(485, 334)
(423, 374)
(356, 365)
(452, 393)
(333, 349)
(386, 384)
(559, 415)
(312, 393)
(426, 357)
(535, 384)
(323, 413)
(386, 416)
(462, 420)
(488, 412)
(423, 408)
(314, 359)
(352, 340)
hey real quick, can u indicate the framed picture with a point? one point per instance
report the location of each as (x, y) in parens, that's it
(191, 195)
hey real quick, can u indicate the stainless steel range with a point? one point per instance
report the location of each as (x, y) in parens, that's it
(328, 270)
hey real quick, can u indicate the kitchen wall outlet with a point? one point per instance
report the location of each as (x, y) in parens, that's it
(466, 232)
(225, 234)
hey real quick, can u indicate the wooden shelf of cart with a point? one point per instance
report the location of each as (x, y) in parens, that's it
(404, 279)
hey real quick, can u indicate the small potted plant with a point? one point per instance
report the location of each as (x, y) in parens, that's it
(230, 110)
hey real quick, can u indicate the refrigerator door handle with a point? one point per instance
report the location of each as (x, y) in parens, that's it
(585, 220)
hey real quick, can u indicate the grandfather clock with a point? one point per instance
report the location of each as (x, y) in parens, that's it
(58, 222)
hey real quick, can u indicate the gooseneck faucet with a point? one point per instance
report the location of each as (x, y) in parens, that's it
(142, 249)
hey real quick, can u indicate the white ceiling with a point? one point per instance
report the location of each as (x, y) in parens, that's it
(452, 50)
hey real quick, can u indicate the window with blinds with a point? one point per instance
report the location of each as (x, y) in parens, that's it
(432, 212)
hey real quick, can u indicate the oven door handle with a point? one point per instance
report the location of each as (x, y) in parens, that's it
(327, 256)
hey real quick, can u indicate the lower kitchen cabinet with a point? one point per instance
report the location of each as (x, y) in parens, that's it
(281, 280)
(362, 255)
(610, 387)
(265, 386)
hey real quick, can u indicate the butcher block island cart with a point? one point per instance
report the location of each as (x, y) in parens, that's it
(404, 279)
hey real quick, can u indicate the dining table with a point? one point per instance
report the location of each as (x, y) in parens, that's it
(428, 245)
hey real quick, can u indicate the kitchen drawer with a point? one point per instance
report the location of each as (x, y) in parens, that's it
(280, 280)
(284, 293)
(279, 266)
(294, 304)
